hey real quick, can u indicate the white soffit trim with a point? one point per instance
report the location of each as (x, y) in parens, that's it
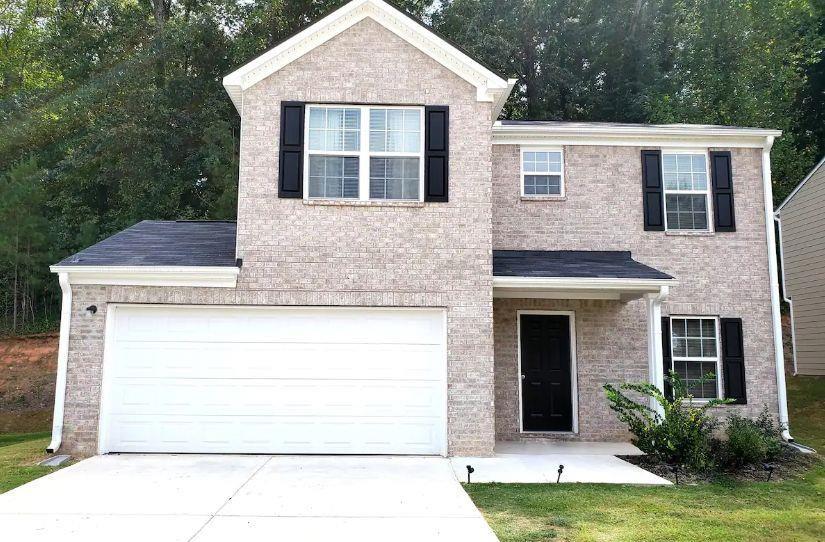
(641, 135)
(800, 185)
(490, 87)
(205, 277)
(578, 288)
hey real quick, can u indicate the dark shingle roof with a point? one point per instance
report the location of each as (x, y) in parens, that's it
(160, 242)
(571, 263)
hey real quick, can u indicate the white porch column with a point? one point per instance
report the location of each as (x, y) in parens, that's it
(654, 341)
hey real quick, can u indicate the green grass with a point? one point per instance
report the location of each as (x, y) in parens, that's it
(19, 454)
(792, 510)
(806, 410)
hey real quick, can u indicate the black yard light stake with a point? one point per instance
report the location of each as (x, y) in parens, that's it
(769, 467)
(470, 470)
(561, 469)
(675, 470)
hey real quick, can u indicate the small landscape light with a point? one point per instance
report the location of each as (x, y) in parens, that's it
(470, 470)
(561, 469)
(769, 468)
(675, 470)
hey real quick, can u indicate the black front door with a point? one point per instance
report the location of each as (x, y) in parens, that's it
(545, 373)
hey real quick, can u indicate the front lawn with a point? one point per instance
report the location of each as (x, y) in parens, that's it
(792, 510)
(19, 454)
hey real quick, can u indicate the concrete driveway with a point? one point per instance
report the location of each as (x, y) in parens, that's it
(205, 498)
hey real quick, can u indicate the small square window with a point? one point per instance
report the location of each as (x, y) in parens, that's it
(542, 173)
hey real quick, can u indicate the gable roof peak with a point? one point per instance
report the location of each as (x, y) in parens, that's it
(490, 87)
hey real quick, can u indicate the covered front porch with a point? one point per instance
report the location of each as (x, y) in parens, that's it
(565, 324)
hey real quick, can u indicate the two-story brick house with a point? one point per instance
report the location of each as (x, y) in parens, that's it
(409, 275)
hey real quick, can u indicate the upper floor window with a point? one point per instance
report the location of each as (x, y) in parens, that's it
(542, 172)
(695, 353)
(364, 152)
(686, 190)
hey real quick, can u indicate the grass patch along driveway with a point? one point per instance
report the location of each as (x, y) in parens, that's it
(791, 510)
(19, 454)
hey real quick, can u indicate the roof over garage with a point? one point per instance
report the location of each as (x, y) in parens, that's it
(163, 243)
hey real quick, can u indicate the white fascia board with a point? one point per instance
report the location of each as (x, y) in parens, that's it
(800, 185)
(490, 87)
(572, 283)
(671, 136)
(204, 277)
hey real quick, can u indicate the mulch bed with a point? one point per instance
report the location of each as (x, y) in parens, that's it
(790, 464)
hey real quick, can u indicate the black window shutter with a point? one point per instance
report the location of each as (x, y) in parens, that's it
(722, 179)
(652, 188)
(436, 152)
(667, 357)
(733, 359)
(291, 155)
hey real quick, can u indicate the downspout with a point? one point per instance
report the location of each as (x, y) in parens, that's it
(62, 362)
(779, 360)
(778, 218)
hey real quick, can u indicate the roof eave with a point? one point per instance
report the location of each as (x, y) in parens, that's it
(150, 275)
(665, 135)
(799, 186)
(490, 87)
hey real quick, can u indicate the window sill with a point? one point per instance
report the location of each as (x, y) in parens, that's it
(543, 198)
(361, 203)
(688, 233)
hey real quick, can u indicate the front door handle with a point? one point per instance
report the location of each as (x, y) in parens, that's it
(523, 376)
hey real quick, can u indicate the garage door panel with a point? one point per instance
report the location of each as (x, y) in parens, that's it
(311, 326)
(275, 360)
(274, 380)
(292, 397)
(215, 434)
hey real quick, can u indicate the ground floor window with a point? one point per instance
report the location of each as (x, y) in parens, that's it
(695, 352)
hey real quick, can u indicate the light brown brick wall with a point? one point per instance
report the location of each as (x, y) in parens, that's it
(723, 274)
(611, 346)
(295, 253)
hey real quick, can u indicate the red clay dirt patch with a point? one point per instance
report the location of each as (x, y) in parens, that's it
(27, 372)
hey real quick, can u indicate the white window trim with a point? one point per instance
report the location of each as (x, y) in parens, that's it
(706, 191)
(718, 372)
(364, 153)
(562, 185)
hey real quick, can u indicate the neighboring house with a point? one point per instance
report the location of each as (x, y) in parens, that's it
(802, 246)
(410, 276)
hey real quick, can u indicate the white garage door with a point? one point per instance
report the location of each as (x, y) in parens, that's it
(274, 380)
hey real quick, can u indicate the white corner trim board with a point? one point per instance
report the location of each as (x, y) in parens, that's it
(149, 275)
(767, 193)
(62, 362)
(490, 87)
(634, 135)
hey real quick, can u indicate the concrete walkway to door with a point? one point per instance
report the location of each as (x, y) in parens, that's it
(200, 498)
(537, 462)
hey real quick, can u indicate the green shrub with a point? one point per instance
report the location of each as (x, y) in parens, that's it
(751, 441)
(682, 434)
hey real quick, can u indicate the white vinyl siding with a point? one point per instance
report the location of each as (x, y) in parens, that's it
(379, 152)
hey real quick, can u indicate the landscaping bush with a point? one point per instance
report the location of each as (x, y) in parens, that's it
(681, 435)
(751, 441)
